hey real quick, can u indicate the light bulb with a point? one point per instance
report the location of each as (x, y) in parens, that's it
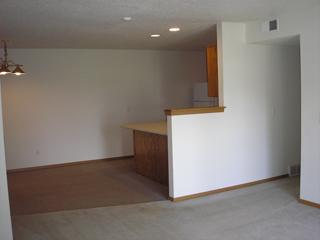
(174, 29)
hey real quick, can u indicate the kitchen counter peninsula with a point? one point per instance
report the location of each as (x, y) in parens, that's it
(151, 149)
(149, 127)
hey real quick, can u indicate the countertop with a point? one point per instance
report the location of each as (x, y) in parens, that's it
(193, 110)
(149, 127)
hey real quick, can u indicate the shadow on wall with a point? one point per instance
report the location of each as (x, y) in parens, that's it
(127, 142)
(184, 78)
(284, 118)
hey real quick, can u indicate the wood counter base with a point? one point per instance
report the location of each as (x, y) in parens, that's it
(151, 155)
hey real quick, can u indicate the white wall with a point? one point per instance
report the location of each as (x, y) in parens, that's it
(303, 20)
(70, 105)
(257, 136)
(5, 220)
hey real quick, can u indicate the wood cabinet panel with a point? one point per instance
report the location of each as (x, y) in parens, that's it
(212, 71)
(151, 156)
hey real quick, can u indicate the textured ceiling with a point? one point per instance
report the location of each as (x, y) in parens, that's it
(99, 24)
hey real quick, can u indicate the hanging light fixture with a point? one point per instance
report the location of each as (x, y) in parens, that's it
(5, 64)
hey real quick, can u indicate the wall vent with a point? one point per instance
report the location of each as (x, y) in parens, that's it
(270, 26)
(294, 170)
(273, 25)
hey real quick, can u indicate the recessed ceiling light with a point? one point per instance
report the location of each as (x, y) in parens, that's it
(127, 19)
(174, 29)
(155, 35)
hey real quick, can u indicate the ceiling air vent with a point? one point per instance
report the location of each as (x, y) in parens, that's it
(273, 25)
(270, 26)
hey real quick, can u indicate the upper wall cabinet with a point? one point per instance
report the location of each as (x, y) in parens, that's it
(212, 71)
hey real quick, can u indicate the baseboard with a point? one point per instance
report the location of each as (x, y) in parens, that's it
(17, 170)
(202, 194)
(311, 204)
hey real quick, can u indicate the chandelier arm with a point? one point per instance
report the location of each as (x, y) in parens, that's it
(5, 50)
(5, 63)
(12, 63)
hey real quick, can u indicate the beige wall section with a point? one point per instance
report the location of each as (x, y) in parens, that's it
(70, 105)
(5, 221)
(304, 21)
(257, 136)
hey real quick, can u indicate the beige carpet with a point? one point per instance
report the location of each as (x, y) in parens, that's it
(268, 211)
(97, 184)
